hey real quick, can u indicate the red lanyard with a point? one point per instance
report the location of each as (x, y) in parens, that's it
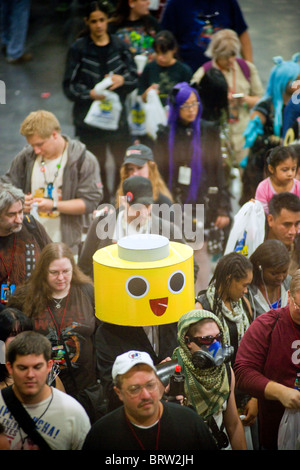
(11, 261)
(137, 438)
(58, 329)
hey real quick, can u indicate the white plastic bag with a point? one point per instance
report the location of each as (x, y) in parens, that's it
(248, 230)
(136, 115)
(105, 114)
(155, 113)
(289, 430)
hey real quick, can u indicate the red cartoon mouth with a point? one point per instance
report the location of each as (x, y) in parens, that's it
(159, 306)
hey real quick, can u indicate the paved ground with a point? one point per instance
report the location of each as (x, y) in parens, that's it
(273, 25)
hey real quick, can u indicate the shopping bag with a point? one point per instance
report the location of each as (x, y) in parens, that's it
(289, 430)
(248, 230)
(136, 116)
(155, 114)
(105, 114)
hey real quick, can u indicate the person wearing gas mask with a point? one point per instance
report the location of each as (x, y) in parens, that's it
(209, 379)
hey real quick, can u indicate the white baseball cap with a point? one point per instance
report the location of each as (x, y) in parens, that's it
(129, 359)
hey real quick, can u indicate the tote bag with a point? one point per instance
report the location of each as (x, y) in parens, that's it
(105, 114)
(248, 230)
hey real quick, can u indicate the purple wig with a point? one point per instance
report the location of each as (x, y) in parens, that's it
(180, 93)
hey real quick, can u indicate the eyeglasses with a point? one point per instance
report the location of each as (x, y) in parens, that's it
(297, 307)
(136, 390)
(191, 105)
(205, 340)
(65, 272)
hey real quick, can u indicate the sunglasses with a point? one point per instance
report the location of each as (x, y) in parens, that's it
(205, 340)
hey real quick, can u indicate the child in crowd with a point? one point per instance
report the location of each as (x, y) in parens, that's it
(282, 166)
(166, 70)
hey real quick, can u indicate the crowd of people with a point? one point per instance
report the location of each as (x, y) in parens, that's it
(71, 381)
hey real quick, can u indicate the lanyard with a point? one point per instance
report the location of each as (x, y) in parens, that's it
(137, 438)
(58, 329)
(8, 271)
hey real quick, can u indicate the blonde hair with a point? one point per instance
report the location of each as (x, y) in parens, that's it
(224, 43)
(295, 283)
(158, 184)
(41, 122)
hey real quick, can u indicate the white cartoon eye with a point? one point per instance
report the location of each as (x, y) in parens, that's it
(137, 286)
(176, 282)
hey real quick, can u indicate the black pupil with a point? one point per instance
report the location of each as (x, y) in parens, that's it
(137, 286)
(176, 282)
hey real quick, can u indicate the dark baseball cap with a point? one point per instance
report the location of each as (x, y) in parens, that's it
(138, 190)
(138, 154)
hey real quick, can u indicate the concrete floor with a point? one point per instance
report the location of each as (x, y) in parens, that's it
(273, 26)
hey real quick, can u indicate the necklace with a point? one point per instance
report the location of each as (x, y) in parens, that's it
(58, 302)
(276, 303)
(58, 328)
(50, 184)
(136, 436)
(58, 166)
(23, 439)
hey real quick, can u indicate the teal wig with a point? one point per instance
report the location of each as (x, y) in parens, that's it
(282, 74)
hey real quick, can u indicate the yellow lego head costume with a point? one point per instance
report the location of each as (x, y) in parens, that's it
(143, 280)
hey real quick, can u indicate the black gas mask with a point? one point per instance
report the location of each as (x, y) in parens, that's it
(210, 356)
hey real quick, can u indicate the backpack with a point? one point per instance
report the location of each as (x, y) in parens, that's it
(242, 63)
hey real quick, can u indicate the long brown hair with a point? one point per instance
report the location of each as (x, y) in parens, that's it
(158, 184)
(36, 293)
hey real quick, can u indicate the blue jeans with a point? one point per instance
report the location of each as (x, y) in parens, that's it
(14, 26)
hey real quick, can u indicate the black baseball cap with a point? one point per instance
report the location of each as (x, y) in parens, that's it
(138, 190)
(138, 154)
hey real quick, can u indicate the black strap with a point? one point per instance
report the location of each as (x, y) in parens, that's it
(219, 435)
(23, 418)
(31, 224)
(202, 298)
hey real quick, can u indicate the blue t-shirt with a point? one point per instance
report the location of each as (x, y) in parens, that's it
(192, 28)
(290, 114)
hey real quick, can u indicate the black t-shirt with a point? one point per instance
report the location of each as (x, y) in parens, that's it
(180, 429)
(75, 323)
(138, 34)
(165, 77)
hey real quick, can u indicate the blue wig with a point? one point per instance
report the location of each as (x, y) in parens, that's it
(281, 74)
(180, 93)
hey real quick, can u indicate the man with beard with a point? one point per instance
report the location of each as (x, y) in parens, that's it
(145, 422)
(21, 240)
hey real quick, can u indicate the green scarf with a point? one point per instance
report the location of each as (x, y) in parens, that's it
(206, 389)
(237, 315)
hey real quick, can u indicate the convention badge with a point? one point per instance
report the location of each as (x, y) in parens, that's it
(233, 113)
(184, 175)
(40, 193)
(58, 354)
(7, 291)
(50, 189)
